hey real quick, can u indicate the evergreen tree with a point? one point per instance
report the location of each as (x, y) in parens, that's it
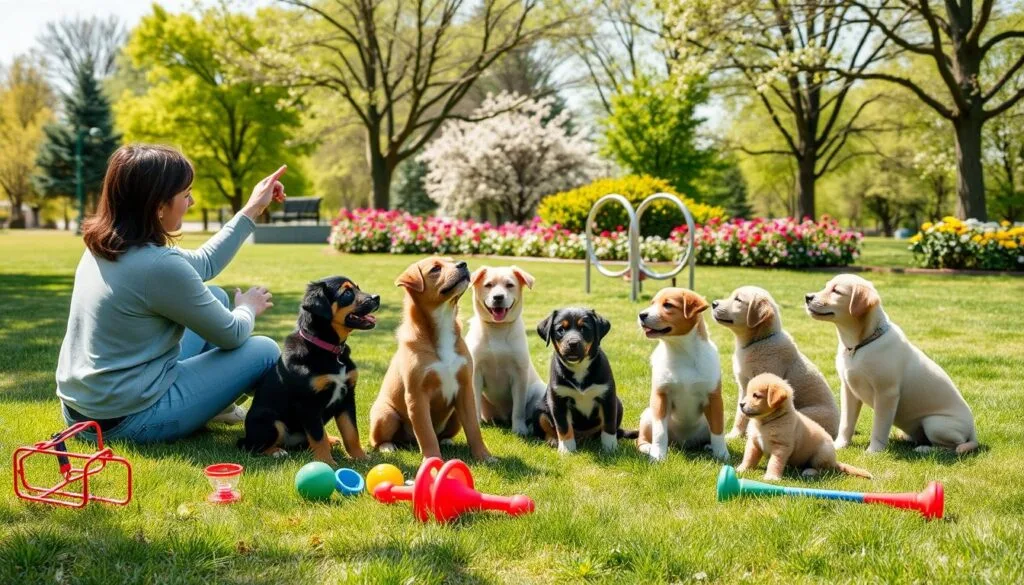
(409, 193)
(725, 186)
(85, 107)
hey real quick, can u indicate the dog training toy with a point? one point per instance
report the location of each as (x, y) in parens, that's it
(445, 491)
(315, 481)
(929, 502)
(381, 473)
(224, 478)
(348, 482)
(94, 463)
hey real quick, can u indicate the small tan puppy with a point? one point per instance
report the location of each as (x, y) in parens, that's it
(762, 346)
(507, 387)
(686, 380)
(427, 392)
(878, 365)
(787, 435)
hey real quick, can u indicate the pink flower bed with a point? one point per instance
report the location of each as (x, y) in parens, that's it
(782, 242)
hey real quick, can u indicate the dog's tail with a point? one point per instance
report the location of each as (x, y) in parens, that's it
(851, 470)
(969, 446)
(627, 433)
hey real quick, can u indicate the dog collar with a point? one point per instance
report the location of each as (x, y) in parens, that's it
(878, 332)
(759, 340)
(335, 349)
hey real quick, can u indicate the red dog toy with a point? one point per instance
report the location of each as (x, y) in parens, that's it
(445, 490)
(94, 463)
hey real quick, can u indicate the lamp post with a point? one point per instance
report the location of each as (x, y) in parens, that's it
(79, 185)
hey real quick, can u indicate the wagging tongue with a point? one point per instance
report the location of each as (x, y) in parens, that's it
(498, 313)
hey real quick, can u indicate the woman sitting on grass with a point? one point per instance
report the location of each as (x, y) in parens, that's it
(151, 353)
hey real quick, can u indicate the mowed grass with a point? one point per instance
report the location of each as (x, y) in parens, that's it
(600, 518)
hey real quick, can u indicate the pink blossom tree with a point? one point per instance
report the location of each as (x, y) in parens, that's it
(519, 152)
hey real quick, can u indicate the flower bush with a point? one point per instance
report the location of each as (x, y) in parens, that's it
(775, 242)
(571, 208)
(970, 244)
(780, 243)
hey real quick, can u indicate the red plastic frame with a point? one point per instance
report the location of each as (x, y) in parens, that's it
(94, 463)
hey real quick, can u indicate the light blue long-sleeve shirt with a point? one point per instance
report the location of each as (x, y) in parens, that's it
(127, 318)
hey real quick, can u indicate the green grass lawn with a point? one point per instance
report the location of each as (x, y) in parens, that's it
(889, 252)
(600, 518)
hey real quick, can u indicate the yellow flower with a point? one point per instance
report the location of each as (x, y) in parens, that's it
(916, 237)
(926, 226)
(1004, 223)
(976, 239)
(1010, 245)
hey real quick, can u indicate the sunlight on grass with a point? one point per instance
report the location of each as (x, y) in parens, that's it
(600, 518)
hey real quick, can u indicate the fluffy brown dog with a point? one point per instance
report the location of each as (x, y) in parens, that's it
(427, 393)
(788, 436)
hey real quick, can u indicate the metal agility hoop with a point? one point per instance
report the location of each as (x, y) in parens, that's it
(635, 265)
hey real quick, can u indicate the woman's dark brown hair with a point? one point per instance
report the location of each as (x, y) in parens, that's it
(140, 178)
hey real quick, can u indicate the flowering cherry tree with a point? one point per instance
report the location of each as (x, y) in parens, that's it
(517, 153)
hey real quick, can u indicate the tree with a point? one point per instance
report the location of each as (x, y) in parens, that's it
(653, 131)
(973, 70)
(410, 192)
(1005, 145)
(232, 128)
(401, 67)
(783, 52)
(84, 108)
(26, 105)
(724, 185)
(74, 44)
(510, 159)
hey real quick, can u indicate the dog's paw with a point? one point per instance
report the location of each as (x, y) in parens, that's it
(840, 444)
(809, 472)
(721, 454)
(278, 454)
(734, 434)
(875, 448)
(644, 448)
(386, 448)
(770, 477)
(924, 449)
(741, 468)
(333, 440)
(359, 455)
(566, 447)
(609, 442)
(520, 428)
(446, 442)
(656, 454)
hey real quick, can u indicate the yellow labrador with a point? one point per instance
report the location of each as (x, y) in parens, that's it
(763, 346)
(879, 366)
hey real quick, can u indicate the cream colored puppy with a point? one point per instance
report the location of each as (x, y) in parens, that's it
(686, 386)
(879, 366)
(507, 386)
(763, 346)
(787, 435)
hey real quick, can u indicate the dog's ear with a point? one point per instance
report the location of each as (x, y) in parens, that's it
(603, 325)
(759, 310)
(524, 277)
(693, 304)
(411, 279)
(316, 302)
(478, 275)
(862, 299)
(546, 328)
(777, 394)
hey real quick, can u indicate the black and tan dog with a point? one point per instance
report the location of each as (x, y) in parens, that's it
(315, 378)
(581, 399)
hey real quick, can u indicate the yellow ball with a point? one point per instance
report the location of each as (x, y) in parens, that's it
(381, 473)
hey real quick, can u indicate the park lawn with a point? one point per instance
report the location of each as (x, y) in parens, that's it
(885, 252)
(600, 518)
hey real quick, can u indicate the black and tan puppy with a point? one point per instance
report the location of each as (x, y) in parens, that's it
(581, 400)
(315, 378)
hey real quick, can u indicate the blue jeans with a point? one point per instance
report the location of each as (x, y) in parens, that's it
(209, 380)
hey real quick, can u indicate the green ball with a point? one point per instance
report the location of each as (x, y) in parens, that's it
(315, 481)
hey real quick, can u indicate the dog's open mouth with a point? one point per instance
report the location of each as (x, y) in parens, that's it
(354, 321)
(498, 313)
(651, 332)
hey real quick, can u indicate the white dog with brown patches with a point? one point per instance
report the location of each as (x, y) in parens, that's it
(508, 388)
(686, 406)
(878, 366)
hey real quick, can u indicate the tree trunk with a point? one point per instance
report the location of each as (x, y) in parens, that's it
(17, 218)
(805, 188)
(970, 178)
(236, 197)
(380, 174)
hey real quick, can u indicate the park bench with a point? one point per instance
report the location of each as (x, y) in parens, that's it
(298, 208)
